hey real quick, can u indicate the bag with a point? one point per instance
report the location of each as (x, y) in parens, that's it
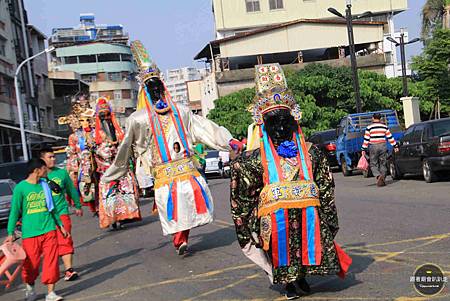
(363, 164)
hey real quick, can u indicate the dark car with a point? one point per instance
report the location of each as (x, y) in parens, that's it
(326, 141)
(424, 149)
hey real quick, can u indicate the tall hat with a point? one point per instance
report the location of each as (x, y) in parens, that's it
(103, 105)
(147, 68)
(272, 93)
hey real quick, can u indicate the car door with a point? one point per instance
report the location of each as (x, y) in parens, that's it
(401, 158)
(416, 149)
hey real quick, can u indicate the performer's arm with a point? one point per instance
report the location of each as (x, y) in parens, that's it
(71, 190)
(324, 179)
(207, 132)
(121, 165)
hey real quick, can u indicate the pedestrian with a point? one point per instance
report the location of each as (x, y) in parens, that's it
(375, 138)
(62, 187)
(32, 202)
(220, 165)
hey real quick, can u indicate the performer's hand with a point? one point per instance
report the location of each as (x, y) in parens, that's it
(9, 239)
(79, 212)
(64, 232)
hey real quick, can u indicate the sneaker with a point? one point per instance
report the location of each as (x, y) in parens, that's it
(303, 285)
(70, 275)
(53, 297)
(291, 292)
(30, 293)
(182, 249)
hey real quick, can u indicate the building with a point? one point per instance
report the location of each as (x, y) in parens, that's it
(102, 57)
(18, 41)
(176, 79)
(295, 33)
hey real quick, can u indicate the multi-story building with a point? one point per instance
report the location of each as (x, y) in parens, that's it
(294, 33)
(18, 41)
(102, 56)
(176, 79)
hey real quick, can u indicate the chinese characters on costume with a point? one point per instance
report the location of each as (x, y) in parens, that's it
(282, 193)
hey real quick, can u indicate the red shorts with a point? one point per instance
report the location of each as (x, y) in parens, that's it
(65, 245)
(44, 245)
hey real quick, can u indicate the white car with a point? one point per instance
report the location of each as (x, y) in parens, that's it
(212, 159)
(6, 191)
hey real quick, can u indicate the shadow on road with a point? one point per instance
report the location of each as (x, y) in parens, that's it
(211, 240)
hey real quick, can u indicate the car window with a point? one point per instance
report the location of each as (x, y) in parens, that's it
(5, 189)
(441, 127)
(212, 154)
(408, 134)
(416, 136)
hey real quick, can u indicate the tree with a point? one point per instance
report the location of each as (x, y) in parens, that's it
(324, 93)
(432, 16)
(433, 71)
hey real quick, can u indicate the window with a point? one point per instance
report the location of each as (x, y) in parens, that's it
(252, 5)
(87, 59)
(71, 60)
(89, 77)
(2, 46)
(441, 127)
(408, 134)
(118, 94)
(276, 4)
(126, 58)
(109, 57)
(114, 76)
(416, 135)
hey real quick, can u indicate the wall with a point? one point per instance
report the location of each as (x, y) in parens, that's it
(232, 14)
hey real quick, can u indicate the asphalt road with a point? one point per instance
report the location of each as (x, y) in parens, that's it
(387, 231)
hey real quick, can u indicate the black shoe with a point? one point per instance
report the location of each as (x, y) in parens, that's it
(291, 292)
(303, 285)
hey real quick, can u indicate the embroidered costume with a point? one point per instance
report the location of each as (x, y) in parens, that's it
(282, 196)
(118, 200)
(182, 196)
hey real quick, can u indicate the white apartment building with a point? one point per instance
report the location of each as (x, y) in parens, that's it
(175, 80)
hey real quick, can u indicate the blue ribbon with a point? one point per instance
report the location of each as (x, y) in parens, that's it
(302, 157)
(282, 238)
(170, 204)
(48, 195)
(272, 167)
(311, 225)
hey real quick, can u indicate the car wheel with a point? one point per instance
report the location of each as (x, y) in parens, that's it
(428, 173)
(345, 171)
(393, 170)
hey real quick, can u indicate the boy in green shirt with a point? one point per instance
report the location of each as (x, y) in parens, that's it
(32, 202)
(66, 187)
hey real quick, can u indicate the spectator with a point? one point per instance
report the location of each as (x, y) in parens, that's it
(375, 138)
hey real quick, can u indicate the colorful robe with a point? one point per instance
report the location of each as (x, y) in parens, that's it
(246, 186)
(117, 201)
(182, 196)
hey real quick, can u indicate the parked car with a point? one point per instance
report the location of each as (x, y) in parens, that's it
(350, 134)
(6, 192)
(61, 158)
(212, 162)
(16, 171)
(424, 149)
(326, 141)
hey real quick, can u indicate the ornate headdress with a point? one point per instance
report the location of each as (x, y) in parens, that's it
(103, 105)
(272, 93)
(79, 111)
(147, 68)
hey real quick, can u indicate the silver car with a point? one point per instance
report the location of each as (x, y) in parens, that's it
(6, 191)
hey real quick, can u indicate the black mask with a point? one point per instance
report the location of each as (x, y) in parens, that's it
(280, 125)
(107, 126)
(155, 88)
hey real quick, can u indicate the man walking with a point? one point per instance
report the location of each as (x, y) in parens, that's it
(375, 138)
(61, 178)
(32, 202)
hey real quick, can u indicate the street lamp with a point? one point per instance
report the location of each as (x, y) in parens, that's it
(403, 57)
(19, 101)
(351, 41)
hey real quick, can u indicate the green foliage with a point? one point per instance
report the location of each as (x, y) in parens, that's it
(324, 93)
(433, 71)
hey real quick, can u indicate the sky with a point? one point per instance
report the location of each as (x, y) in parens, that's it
(173, 31)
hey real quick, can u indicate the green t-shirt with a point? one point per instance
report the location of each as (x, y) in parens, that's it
(199, 151)
(62, 178)
(28, 202)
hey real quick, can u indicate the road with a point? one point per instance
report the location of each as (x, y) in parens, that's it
(387, 231)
